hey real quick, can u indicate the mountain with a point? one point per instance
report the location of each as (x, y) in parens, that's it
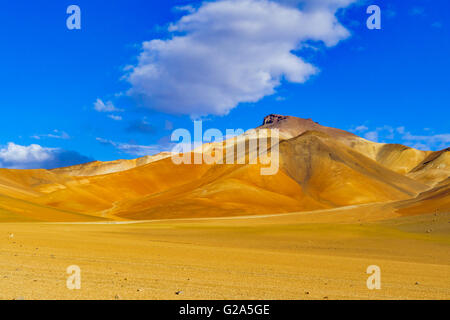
(98, 168)
(396, 157)
(320, 168)
(433, 169)
(436, 200)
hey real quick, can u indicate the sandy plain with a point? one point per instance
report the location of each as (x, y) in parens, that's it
(309, 255)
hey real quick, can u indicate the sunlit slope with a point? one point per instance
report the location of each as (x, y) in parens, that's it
(85, 195)
(433, 169)
(99, 193)
(99, 168)
(316, 172)
(337, 175)
(228, 190)
(20, 197)
(25, 183)
(435, 200)
(17, 210)
(396, 157)
(399, 158)
(320, 168)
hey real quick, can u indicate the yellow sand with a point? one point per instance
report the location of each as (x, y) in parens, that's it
(319, 255)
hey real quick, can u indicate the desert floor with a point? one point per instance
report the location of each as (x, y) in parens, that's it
(320, 255)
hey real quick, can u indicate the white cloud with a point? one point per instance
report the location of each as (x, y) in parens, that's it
(401, 130)
(23, 155)
(390, 132)
(56, 134)
(372, 135)
(100, 106)
(437, 141)
(131, 148)
(385, 132)
(34, 156)
(360, 128)
(187, 8)
(314, 4)
(419, 146)
(400, 134)
(232, 51)
(114, 117)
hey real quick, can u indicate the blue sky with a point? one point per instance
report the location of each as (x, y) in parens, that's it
(71, 96)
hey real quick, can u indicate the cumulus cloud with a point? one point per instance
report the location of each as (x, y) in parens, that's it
(390, 134)
(34, 156)
(131, 148)
(101, 106)
(232, 51)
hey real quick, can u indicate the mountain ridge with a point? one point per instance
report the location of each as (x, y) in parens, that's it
(320, 168)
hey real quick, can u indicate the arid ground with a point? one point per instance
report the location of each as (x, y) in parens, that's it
(151, 229)
(320, 255)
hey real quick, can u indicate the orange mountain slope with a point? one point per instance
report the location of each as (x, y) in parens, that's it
(97, 167)
(435, 200)
(320, 168)
(434, 169)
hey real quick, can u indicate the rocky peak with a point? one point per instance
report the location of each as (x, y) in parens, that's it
(273, 118)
